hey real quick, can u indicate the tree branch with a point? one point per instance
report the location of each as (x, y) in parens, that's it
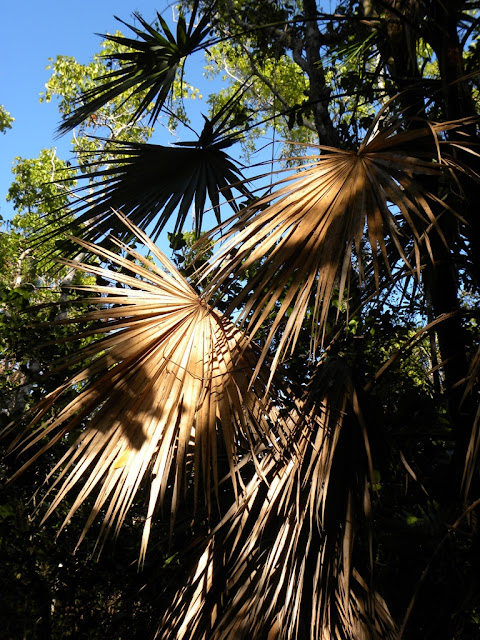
(256, 71)
(319, 93)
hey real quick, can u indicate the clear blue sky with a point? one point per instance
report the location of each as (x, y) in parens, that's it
(30, 33)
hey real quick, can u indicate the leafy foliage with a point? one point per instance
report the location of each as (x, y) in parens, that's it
(5, 120)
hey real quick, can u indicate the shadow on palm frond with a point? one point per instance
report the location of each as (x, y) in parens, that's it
(160, 396)
(342, 204)
(150, 66)
(283, 562)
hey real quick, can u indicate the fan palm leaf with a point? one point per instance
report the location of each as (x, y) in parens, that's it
(149, 66)
(288, 550)
(149, 182)
(163, 391)
(301, 238)
(169, 179)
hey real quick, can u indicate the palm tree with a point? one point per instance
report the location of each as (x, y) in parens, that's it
(186, 385)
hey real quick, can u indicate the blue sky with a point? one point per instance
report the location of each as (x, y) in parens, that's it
(30, 33)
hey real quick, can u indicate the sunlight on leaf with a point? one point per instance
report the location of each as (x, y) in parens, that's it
(303, 236)
(161, 397)
(262, 569)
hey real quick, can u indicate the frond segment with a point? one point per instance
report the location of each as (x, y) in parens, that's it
(285, 558)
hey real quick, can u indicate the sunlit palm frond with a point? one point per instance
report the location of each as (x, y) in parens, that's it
(285, 558)
(300, 239)
(159, 398)
(150, 66)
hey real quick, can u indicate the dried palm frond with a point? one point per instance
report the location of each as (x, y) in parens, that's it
(472, 454)
(285, 558)
(300, 239)
(166, 387)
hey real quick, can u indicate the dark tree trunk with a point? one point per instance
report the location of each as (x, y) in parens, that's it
(319, 92)
(441, 276)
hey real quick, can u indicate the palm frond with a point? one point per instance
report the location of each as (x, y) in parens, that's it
(150, 65)
(149, 183)
(301, 238)
(472, 454)
(288, 550)
(157, 399)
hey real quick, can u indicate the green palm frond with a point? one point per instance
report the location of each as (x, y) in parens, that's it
(149, 183)
(288, 550)
(301, 238)
(150, 66)
(157, 399)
